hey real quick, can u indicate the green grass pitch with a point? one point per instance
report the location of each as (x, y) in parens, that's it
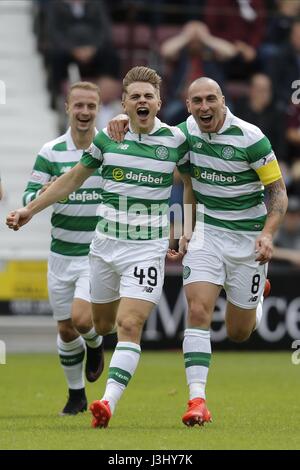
(253, 398)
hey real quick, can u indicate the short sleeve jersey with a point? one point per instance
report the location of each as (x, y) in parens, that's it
(74, 219)
(229, 170)
(137, 179)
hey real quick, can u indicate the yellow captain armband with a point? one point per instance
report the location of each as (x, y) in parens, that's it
(269, 173)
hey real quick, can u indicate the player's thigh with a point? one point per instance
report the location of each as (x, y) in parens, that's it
(104, 314)
(81, 306)
(201, 298)
(240, 322)
(82, 315)
(131, 316)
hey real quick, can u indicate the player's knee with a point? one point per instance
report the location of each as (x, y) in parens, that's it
(238, 335)
(82, 325)
(102, 326)
(67, 333)
(199, 314)
(129, 326)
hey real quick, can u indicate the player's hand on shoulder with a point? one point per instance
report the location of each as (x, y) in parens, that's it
(118, 127)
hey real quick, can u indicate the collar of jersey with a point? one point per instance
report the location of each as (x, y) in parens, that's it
(156, 127)
(70, 142)
(227, 123)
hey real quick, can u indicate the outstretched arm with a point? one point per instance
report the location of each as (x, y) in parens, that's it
(60, 189)
(276, 205)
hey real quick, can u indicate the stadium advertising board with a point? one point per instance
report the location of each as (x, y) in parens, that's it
(280, 325)
(21, 279)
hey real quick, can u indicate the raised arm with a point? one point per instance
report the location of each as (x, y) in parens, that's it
(223, 49)
(196, 31)
(60, 189)
(171, 48)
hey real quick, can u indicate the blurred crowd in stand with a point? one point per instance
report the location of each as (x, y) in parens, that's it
(251, 47)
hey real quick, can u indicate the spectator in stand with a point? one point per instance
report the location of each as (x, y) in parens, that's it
(155, 12)
(193, 53)
(242, 22)
(259, 109)
(111, 103)
(287, 243)
(278, 29)
(293, 132)
(293, 152)
(79, 32)
(285, 67)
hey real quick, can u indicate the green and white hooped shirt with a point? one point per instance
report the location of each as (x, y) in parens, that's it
(74, 219)
(137, 180)
(229, 170)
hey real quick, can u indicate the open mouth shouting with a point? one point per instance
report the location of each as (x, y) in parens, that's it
(143, 112)
(206, 118)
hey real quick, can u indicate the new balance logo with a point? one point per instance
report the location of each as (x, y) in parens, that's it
(253, 298)
(148, 289)
(197, 145)
(123, 146)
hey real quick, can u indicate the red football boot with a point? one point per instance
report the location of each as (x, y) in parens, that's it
(197, 413)
(100, 409)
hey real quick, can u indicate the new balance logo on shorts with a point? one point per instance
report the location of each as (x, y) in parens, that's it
(253, 298)
(148, 289)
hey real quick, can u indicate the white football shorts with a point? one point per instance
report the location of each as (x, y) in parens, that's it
(68, 278)
(126, 269)
(227, 259)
